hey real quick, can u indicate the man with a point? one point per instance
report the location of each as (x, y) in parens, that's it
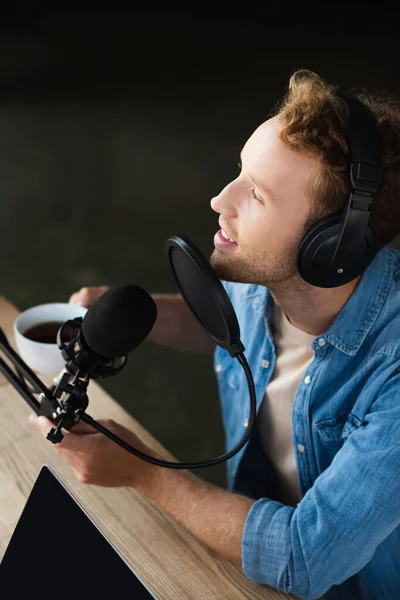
(313, 501)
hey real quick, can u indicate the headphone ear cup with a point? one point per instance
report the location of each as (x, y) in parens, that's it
(316, 250)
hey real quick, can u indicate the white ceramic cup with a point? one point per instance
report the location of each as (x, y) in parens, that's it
(41, 357)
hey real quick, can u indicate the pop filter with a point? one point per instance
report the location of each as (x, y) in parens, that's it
(204, 293)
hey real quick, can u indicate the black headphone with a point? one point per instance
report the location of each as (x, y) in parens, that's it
(340, 247)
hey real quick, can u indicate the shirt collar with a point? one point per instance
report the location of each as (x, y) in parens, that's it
(358, 315)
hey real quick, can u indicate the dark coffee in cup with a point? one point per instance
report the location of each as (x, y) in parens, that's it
(35, 331)
(46, 333)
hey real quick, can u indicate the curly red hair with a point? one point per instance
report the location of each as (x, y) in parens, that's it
(313, 121)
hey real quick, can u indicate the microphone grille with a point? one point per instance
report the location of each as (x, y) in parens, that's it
(119, 321)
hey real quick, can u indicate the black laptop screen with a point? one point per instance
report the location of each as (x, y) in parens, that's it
(55, 543)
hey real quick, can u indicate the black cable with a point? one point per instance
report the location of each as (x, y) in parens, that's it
(188, 465)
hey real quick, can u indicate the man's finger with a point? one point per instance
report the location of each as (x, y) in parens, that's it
(71, 441)
(43, 424)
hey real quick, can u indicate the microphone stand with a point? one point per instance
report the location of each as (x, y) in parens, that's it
(65, 415)
(65, 403)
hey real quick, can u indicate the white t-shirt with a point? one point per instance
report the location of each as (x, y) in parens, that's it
(274, 422)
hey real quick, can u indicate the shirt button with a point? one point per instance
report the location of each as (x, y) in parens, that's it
(218, 368)
(300, 448)
(265, 363)
(307, 379)
(256, 303)
(245, 422)
(321, 342)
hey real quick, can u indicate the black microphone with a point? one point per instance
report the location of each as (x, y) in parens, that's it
(113, 326)
(96, 347)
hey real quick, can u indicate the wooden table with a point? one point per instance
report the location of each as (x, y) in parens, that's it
(169, 560)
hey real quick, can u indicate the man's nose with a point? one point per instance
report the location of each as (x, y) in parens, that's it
(213, 203)
(224, 202)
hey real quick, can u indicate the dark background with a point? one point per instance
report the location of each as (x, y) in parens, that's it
(119, 122)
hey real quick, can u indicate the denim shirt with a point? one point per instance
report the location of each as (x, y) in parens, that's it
(342, 540)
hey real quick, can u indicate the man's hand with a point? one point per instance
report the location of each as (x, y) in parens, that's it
(96, 459)
(87, 296)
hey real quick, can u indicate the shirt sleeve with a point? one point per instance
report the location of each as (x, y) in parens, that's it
(335, 529)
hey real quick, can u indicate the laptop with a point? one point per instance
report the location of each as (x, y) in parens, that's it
(56, 543)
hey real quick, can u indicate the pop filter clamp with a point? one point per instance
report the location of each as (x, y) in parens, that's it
(65, 403)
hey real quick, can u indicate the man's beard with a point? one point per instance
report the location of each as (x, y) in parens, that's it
(260, 269)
